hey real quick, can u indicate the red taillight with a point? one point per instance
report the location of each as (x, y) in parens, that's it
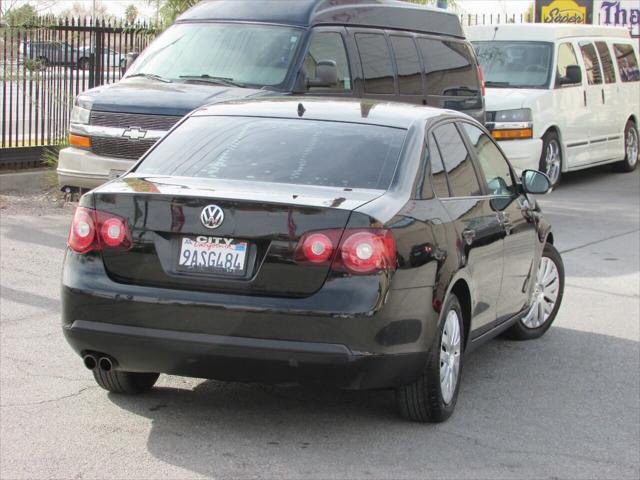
(361, 251)
(96, 230)
(481, 78)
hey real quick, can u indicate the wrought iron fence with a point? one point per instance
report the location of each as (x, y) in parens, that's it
(43, 67)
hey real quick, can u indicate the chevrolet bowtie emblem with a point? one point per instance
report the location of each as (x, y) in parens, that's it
(134, 133)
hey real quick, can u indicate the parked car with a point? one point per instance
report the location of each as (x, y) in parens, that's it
(352, 243)
(48, 52)
(561, 97)
(376, 49)
(109, 58)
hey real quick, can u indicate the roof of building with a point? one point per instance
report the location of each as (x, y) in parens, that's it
(541, 32)
(370, 112)
(390, 14)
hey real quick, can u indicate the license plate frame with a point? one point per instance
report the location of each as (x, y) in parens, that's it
(209, 264)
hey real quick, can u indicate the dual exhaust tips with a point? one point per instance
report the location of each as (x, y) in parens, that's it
(92, 362)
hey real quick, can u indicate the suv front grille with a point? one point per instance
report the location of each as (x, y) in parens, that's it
(120, 147)
(127, 120)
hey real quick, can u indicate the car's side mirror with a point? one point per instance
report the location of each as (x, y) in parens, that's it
(130, 58)
(326, 74)
(536, 182)
(574, 75)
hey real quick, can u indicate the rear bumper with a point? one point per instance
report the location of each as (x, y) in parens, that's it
(523, 154)
(84, 169)
(242, 359)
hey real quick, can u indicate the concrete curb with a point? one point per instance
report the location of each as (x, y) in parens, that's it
(35, 181)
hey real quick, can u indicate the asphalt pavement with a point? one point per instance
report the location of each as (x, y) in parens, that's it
(564, 406)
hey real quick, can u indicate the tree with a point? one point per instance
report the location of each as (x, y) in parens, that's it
(82, 10)
(20, 16)
(131, 13)
(168, 10)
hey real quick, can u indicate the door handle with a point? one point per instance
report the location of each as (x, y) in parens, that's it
(584, 94)
(602, 95)
(468, 235)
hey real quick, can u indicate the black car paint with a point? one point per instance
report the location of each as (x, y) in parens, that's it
(371, 331)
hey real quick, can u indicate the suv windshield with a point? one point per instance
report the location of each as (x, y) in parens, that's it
(252, 55)
(279, 150)
(515, 64)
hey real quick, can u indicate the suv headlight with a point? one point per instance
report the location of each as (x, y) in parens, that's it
(81, 111)
(512, 124)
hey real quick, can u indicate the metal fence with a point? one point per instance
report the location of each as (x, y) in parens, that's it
(43, 67)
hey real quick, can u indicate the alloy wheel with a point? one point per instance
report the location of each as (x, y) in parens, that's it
(631, 143)
(450, 356)
(545, 294)
(552, 161)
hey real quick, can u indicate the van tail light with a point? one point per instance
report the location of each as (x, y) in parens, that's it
(483, 88)
(360, 251)
(94, 230)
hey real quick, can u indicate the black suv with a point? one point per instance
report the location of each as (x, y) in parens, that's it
(354, 243)
(230, 49)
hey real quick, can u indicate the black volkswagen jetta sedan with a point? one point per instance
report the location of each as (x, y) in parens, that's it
(350, 243)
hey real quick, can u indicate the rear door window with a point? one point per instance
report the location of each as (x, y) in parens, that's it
(438, 174)
(627, 62)
(607, 63)
(592, 66)
(457, 162)
(328, 46)
(376, 63)
(279, 150)
(449, 68)
(408, 64)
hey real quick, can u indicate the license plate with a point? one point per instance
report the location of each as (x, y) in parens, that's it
(224, 256)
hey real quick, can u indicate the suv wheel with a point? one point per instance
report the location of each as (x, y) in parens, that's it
(117, 381)
(546, 298)
(551, 158)
(432, 398)
(631, 149)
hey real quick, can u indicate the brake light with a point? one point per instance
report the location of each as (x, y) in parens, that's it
(97, 230)
(360, 251)
(483, 88)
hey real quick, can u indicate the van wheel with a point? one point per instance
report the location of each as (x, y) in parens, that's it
(432, 398)
(546, 298)
(631, 149)
(551, 158)
(116, 381)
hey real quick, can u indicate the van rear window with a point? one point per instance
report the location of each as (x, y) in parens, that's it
(279, 150)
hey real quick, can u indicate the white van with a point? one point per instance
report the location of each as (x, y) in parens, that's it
(561, 97)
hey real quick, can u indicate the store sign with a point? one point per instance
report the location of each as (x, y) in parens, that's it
(564, 11)
(620, 14)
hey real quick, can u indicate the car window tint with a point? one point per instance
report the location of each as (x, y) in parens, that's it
(408, 64)
(627, 62)
(594, 74)
(494, 166)
(438, 175)
(279, 150)
(607, 63)
(376, 63)
(457, 162)
(566, 57)
(328, 46)
(449, 68)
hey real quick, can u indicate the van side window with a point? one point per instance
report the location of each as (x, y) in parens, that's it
(494, 166)
(328, 46)
(438, 175)
(449, 68)
(627, 62)
(566, 57)
(408, 64)
(376, 63)
(457, 162)
(594, 74)
(607, 63)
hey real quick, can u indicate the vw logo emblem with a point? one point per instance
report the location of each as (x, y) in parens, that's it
(212, 216)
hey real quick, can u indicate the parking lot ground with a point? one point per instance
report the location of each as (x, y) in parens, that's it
(564, 406)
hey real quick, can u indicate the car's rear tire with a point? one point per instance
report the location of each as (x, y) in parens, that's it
(546, 300)
(551, 158)
(432, 398)
(116, 381)
(631, 149)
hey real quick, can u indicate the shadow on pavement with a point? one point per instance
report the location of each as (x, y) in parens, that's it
(527, 391)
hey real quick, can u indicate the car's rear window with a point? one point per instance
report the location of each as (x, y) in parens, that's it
(296, 151)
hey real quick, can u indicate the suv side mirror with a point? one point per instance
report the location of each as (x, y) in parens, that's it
(536, 182)
(574, 75)
(130, 58)
(326, 74)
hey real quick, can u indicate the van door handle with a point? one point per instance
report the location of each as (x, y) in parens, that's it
(602, 95)
(469, 234)
(584, 94)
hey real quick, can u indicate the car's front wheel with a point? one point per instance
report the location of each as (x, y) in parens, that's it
(631, 149)
(432, 398)
(551, 158)
(546, 297)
